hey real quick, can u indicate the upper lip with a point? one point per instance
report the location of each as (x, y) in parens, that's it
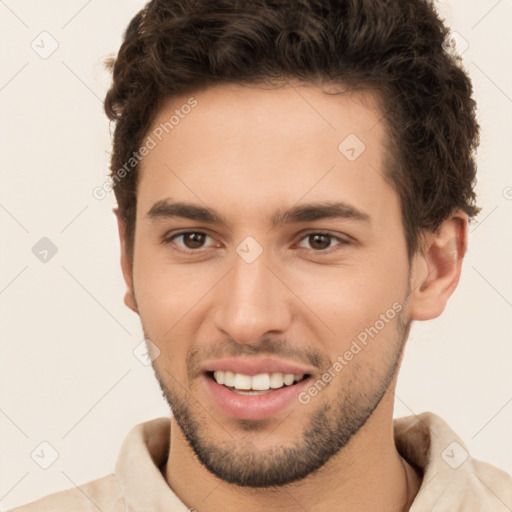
(254, 366)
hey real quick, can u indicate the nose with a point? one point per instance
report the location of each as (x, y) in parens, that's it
(252, 301)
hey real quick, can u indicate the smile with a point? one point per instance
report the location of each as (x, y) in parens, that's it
(254, 397)
(256, 384)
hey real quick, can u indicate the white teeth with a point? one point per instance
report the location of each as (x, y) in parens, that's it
(249, 392)
(242, 381)
(276, 380)
(288, 378)
(260, 382)
(229, 378)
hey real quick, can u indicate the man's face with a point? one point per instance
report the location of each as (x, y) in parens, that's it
(252, 298)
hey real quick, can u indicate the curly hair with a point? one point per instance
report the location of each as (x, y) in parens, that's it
(394, 48)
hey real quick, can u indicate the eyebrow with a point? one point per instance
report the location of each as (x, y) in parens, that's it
(165, 209)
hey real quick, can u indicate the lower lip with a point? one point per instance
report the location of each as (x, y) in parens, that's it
(253, 407)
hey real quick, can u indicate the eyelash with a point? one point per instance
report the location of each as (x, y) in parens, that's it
(342, 241)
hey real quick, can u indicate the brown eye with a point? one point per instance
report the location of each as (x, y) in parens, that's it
(193, 240)
(320, 242)
(190, 239)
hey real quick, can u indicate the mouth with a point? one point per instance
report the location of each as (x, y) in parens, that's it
(254, 395)
(260, 384)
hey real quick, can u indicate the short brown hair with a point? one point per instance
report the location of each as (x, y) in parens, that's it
(395, 48)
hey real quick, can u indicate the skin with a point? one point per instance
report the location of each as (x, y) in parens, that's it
(247, 152)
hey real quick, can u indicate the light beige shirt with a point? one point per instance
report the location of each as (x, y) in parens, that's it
(452, 480)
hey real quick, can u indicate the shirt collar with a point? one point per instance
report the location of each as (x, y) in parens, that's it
(424, 440)
(139, 469)
(452, 479)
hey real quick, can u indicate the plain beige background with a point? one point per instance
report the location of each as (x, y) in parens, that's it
(69, 376)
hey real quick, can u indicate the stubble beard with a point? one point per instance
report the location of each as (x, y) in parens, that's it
(330, 428)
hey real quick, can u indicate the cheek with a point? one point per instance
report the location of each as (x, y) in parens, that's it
(166, 300)
(349, 300)
(170, 297)
(163, 295)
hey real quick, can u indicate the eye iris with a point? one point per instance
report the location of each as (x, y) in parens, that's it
(317, 238)
(196, 240)
(193, 240)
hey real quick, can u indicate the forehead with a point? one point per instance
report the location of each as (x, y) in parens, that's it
(256, 147)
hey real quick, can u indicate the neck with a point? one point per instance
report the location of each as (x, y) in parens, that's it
(367, 474)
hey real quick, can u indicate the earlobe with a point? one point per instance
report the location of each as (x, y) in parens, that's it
(437, 267)
(129, 300)
(126, 264)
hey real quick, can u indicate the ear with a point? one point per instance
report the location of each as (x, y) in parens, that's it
(436, 268)
(126, 264)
